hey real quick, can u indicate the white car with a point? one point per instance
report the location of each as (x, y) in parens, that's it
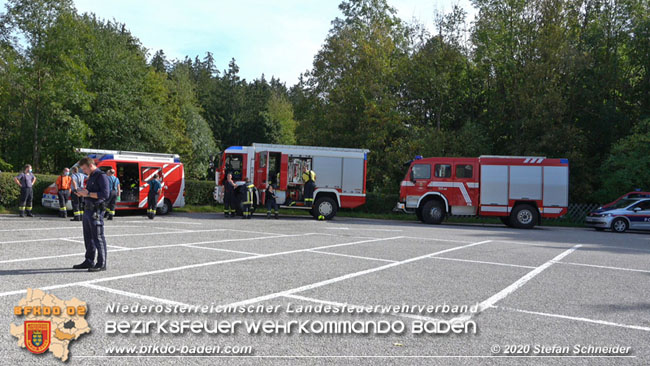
(623, 215)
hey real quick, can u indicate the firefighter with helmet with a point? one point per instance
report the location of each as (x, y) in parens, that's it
(309, 178)
(248, 203)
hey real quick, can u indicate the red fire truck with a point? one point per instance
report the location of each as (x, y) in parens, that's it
(518, 190)
(135, 169)
(340, 175)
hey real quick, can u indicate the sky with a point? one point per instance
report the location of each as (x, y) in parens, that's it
(271, 37)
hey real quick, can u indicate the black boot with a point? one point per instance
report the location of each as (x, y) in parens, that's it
(22, 213)
(277, 215)
(268, 215)
(29, 213)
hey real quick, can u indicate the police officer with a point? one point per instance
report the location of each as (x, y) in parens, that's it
(96, 193)
(26, 181)
(152, 199)
(229, 197)
(114, 185)
(78, 179)
(309, 178)
(271, 202)
(63, 186)
(248, 203)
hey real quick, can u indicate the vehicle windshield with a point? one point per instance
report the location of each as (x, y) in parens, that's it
(233, 164)
(623, 203)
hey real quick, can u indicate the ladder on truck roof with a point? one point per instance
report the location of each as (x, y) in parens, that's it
(297, 147)
(130, 155)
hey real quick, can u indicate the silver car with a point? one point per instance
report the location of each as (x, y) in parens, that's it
(624, 214)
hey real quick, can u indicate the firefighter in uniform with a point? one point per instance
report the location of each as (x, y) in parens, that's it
(271, 202)
(248, 203)
(63, 185)
(78, 179)
(152, 198)
(229, 197)
(114, 184)
(309, 178)
(96, 193)
(26, 181)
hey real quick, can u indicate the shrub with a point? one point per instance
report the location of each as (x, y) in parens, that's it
(199, 192)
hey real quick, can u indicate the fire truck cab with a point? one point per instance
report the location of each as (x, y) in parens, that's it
(340, 175)
(518, 190)
(134, 170)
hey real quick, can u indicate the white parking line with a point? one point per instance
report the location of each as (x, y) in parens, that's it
(72, 240)
(482, 262)
(131, 294)
(362, 229)
(191, 266)
(349, 275)
(45, 228)
(436, 239)
(352, 256)
(594, 321)
(517, 284)
(145, 221)
(151, 247)
(147, 234)
(222, 250)
(115, 246)
(605, 267)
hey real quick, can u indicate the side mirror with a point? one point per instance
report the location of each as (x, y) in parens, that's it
(411, 176)
(636, 209)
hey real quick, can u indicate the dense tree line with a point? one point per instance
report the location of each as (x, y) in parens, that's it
(556, 78)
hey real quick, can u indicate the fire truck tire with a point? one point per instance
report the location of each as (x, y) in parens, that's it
(165, 208)
(524, 217)
(325, 206)
(418, 213)
(433, 212)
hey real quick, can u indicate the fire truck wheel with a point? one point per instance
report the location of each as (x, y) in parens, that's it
(619, 225)
(165, 208)
(418, 213)
(325, 206)
(524, 217)
(433, 212)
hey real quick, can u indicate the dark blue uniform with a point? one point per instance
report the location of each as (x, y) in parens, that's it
(93, 218)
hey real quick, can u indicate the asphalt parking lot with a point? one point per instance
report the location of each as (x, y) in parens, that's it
(547, 286)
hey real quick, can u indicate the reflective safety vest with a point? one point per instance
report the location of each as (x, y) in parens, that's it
(63, 182)
(309, 175)
(249, 194)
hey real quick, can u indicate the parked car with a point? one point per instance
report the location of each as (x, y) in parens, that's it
(629, 195)
(624, 214)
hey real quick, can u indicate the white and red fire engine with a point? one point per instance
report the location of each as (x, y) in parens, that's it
(340, 175)
(135, 169)
(518, 190)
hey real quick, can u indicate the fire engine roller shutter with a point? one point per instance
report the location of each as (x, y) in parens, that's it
(525, 182)
(494, 185)
(556, 186)
(328, 172)
(353, 175)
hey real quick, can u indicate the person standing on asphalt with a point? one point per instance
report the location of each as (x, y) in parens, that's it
(309, 178)
(229, 197)
(26, 181)
(152, 199)
(114, 184)
(78, 179)
(271, 202)
(96, 193)
(248, 204)
(63, 186)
